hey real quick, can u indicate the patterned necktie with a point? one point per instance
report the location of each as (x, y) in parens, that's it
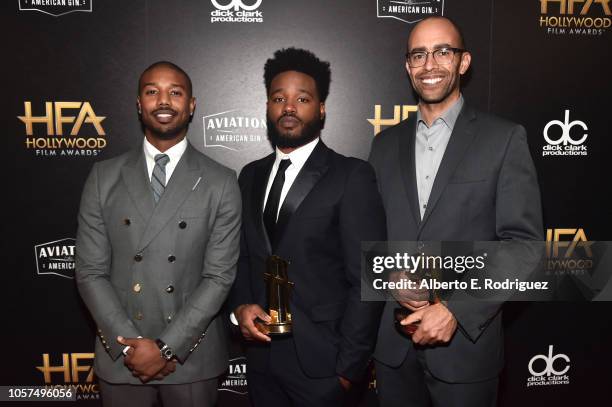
(158, 178)
(271, 210)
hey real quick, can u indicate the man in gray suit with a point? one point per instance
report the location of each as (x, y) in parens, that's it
(449, 173)
(157, 247)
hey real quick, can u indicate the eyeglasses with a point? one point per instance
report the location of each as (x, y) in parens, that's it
(442, 56)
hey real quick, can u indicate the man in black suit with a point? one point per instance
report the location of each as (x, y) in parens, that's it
(312, 207)
(449, 173)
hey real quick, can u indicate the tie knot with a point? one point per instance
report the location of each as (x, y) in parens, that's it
(282, 166)
(162, 159)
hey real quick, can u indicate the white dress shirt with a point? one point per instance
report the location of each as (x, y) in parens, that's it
(174, 153)
(298, 158)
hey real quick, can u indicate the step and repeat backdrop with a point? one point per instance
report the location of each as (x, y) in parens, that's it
(71, 71)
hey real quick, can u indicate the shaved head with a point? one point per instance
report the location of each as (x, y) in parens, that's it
(437, 23)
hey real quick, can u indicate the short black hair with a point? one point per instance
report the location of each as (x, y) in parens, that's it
(300, 60)
(170, 65)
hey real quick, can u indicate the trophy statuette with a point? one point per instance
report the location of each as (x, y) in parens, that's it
(278, 289)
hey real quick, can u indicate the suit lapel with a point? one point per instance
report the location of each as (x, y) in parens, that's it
(407, 138)
(314, 168)
(258, 192)
(459, 142)
(134, 174)
(181, 184)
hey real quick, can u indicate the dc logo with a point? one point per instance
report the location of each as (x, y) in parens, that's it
(565, 131)
(237, 5)
(549, 362)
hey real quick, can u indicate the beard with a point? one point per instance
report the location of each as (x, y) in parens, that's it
(310, 131)
(163, 133)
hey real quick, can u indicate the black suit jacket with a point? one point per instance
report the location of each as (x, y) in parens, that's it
(486, 189)
(332, 206)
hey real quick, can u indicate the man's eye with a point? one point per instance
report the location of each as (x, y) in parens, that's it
(443, 52)
(303, 100)
(277, 99)
(150, 92)
(176, 93)
(418, 56)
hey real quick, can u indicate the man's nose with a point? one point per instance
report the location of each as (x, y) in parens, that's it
(289, 107)
(163, 99)
(430, 62)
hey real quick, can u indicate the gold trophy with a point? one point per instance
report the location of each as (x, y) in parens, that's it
(279, 290)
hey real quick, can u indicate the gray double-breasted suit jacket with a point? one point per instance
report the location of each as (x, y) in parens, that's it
(159, 270)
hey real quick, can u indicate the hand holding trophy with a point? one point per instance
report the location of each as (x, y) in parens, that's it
(411, 299)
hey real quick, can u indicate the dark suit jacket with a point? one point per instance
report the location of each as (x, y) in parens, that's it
(332, 207)
(159, 270)
(486, 189)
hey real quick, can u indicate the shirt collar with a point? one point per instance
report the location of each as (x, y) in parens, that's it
(298, 156)
(174, 153)
(449, 117)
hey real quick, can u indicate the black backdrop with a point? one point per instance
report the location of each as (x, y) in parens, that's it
(532, 61)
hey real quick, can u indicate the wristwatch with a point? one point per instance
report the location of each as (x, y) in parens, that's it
(165, 350)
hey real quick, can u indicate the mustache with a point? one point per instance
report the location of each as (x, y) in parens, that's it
(289, 114)
(164, 110)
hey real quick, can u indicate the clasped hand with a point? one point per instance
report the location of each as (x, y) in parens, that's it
(144, 359)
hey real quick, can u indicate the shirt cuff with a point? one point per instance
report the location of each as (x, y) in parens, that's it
(233, 319)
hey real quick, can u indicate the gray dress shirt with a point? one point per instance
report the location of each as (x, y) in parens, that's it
(430, 145)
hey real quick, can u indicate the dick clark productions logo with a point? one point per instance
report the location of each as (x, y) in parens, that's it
(550, 369)
(236, 11)
(565, 138)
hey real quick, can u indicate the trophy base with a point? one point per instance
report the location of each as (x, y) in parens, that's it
(274, 329)
(405, 330)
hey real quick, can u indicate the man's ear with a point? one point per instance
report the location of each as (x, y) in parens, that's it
(466, 59)
(192, 106)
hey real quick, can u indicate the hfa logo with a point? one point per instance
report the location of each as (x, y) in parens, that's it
(400, 112)
(550, 369)
(56, 257)
(575, 17)
(562, 140)
(56, 8)
(71, 373)
(63, 134)
(409, 11)
(568, 250)
(236, 11)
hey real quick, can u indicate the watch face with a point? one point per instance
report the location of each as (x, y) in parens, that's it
(168, 354)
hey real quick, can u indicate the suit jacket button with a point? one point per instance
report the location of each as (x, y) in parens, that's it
(169, 319)
(182, 224)
(127, 222)
(137, 287)
(171, 258)
(170, 288)
(138, 257)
